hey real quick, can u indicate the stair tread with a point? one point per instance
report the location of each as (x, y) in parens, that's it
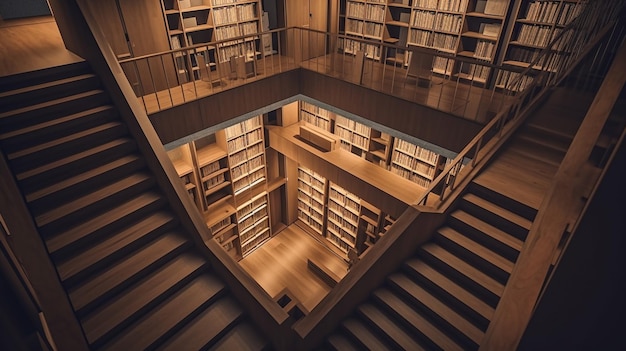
(464, 268)
(545, 141)
(121, 271)
(36, 149)
(415, 319)
(437, 306)
(341, 343)
(91, 198)
(488, 229)
(73, 234)
(244, 337)
(513, 186)
(474, 247)
(67, 160)
(451, 287)
(497, 210)
(168, 315)
(206, 327)
(35, 87)
(115, 242)
(529, 148)
(50, 103)
(363, 334)
(389, 327)
(139, 296)
(56, 121)
(78, 179)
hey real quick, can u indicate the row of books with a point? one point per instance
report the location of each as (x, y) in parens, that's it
(413, 164)
(370, 29)
(416, 151)
(233, 14)
(410, 175)
(365, 11)
(315, 120)
(543, 11)
(534, 35)
(484, 49)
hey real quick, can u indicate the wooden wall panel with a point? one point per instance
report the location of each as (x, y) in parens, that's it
(425, 123)
(181, 121)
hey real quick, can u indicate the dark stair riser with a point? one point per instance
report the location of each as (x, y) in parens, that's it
(26, 79)
(51, 91)
(460, 279)
(149, 305)
(84, 183)
(448, 298)
(37, 179)
(108, 225)
(472, 258)
(48, 131)
(486, 240)
(503, 201)
(493, 219)
(36, 156)
(50, 111)
(133, 242)
(442, 324)
(95, 206)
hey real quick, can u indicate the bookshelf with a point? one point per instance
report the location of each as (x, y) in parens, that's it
(182, 160)
(343, 218)
(415, 163)
(311, 199)
(364, 19)
(354, 137)
(535, 24)
(253, 223)
(246, 154)
(224, 231)
(233, 18)
(315, 115)
(380, 148)
(369, 226)
(213, 171)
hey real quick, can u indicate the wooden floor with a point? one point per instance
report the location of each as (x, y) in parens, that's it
(31, 44)
(282, 263)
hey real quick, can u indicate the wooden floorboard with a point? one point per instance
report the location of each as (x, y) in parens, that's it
(282, 263)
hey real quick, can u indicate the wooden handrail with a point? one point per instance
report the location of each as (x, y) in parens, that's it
(569, 186)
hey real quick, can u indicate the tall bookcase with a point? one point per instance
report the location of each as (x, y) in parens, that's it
(469, 28)
(316, 116)
(535, 24)
(246, 154)
(311, 199)
(415, 163)
(225, 174)
(353, 136)
(343, 218)
(190, 22)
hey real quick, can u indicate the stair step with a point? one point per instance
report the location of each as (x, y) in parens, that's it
(20, 80)
(51, 110)
(207, 328)
(417, 267)
(33, 94)
(504, 243)
(165, 319)
(437, 308)
(560, 139)
(479, 256)
(133, 266)
(101, 198)
(489, 191)
(56, 171)
(496, 215)
(71, 187)
(140, 297)
(487, 288)
(75, 237)
(45, 131)
(536, 149)
(365, 337)
(53, 150)
(244, 337)
(113, 246)
(420, 325)
(339, 342)
(388, 327)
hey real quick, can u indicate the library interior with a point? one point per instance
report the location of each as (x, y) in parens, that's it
(312, 174)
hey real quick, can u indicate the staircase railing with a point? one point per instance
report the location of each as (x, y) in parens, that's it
(549, 68)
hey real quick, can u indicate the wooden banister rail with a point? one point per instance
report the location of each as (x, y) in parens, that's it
(569, 186)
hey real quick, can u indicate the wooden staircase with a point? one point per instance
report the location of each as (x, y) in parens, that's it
(444, 296)
(131, 273)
